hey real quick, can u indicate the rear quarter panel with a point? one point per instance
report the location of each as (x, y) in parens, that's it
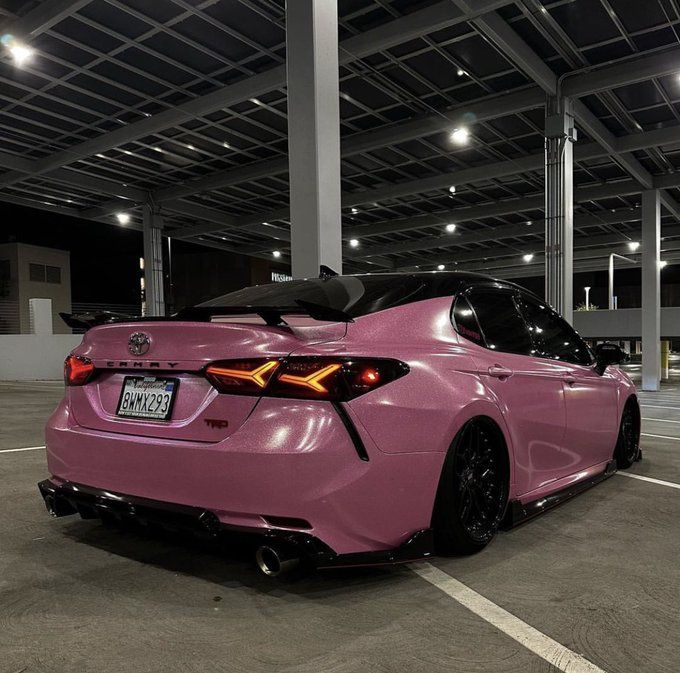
(424, 410)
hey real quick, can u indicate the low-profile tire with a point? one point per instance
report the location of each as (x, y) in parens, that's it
(473, 489)
(627, 449)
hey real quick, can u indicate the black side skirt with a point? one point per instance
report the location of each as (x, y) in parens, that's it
(517, 513)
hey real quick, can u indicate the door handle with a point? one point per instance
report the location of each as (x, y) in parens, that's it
(569, 378)
(500, 372)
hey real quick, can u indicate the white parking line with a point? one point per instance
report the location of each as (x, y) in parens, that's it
(646, 434)
(25, 448)
(545, 647)
(660, 420)
(661, 482)
(653, 406)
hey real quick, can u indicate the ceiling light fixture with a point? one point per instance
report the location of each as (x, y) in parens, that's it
(460, 136)
(123, 218)
(354, 242)
(633, 245)
(528, 257)
(21, 53)
(450, 228)
(276, 253)
(452, 189)
(663, 264)
(441, 267)
(355, 211)
(461, 72)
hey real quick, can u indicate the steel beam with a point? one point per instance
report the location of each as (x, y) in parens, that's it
(435, 17)
(43, 17)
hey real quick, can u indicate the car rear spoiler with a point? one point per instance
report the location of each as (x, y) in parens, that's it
(272, 315)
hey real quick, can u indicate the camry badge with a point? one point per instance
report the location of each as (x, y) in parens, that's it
(139, 343)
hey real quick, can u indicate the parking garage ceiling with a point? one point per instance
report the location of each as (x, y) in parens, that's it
(183, 103)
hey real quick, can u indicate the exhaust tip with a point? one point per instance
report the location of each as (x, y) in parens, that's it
(274, 561)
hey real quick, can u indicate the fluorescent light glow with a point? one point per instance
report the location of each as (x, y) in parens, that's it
(123, 218)
(355, 211)
(226, 145)
(450, 228)
(257, 101)
(663, 264)
(101, 156)
(460, 136)
(276, 253)
(529, 223)
(21, 53)
(633, 245)
(157, 149)
(191, 147)
(441, 267)
(452, 189)
(461, 72)
(354, 242)
(528, 257)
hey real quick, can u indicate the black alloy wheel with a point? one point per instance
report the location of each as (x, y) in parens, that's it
(628, 443)
(473, 491)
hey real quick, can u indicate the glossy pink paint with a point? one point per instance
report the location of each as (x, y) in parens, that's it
(294, 458)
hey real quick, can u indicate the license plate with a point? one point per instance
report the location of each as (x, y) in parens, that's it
(147, 397)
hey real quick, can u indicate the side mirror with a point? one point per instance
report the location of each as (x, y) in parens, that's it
(608, 354)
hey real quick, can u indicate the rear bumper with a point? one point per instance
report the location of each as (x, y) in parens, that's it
(290, 460)
(66, 499)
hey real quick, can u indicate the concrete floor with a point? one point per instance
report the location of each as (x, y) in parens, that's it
(599, 575)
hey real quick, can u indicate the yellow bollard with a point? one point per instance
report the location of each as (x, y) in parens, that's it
(665, 352)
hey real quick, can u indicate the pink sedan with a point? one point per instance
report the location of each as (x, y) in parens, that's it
(345, 420)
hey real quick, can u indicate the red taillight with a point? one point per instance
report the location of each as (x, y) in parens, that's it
(77, 370)
(245, 377)
(337, 379)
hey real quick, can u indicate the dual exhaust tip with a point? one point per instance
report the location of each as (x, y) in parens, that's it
(275, 560)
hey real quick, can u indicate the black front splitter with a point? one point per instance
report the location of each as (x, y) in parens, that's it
(92, 503)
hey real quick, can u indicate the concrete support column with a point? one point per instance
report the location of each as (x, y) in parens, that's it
(560, 136)
(154, 304)
(314, 136)
(651, 290)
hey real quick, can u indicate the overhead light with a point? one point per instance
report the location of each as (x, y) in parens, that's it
(101, 156)
(450, 228)
(355, 211)
(276, 253)
(123, 218)
(257, 101)
(461, 72)
(460, 136)
(226, 145)
(528, 257)
(452, 189)
(529, 223)
(21, 53)
(633, 245)
(663, 264)
(354, 242)
(441, 267)
(191, 147)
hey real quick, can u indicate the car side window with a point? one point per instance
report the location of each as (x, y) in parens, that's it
(503, 327)
(553, 336)
(465, 321)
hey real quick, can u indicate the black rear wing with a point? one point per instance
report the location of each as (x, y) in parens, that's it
(272, 315)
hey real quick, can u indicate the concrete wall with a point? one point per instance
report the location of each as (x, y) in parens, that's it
(32, 357)
(625, 323)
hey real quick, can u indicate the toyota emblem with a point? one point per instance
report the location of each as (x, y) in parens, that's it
(139, 343)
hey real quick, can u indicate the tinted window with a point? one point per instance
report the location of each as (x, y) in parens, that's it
(36, 272)
(465, 321)
(356, 295)
(553, 336)
(502, 325)
(53, 274)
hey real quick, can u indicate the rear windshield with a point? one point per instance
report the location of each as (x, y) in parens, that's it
(355, 295)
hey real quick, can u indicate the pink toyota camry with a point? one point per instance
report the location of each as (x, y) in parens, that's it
(345, 420)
